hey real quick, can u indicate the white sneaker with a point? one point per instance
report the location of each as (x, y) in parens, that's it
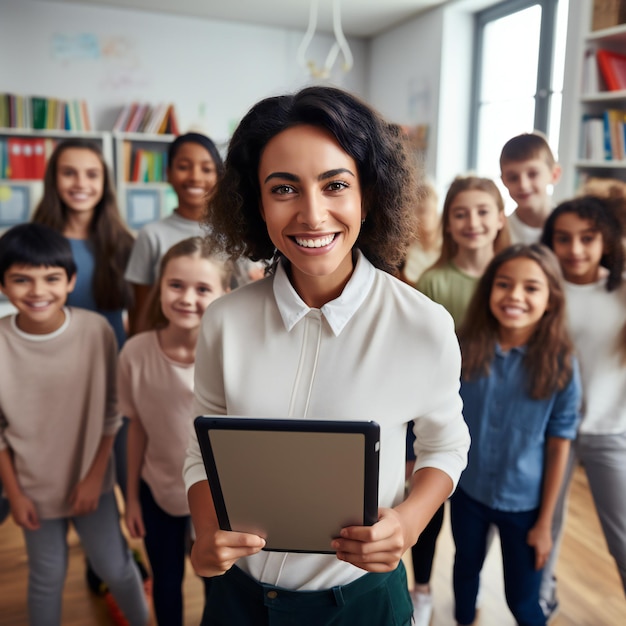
(422, 608)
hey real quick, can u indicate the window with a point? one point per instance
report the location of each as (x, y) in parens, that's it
(518, 70)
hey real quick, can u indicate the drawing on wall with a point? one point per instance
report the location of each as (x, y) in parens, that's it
(419, 100)
(123, 69)
(75, 47)
(116, 56)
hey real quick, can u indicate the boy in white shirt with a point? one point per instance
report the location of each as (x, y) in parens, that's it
(528, 170)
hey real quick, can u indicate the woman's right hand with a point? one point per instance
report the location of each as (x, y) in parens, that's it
(134, 519)
(215, 551)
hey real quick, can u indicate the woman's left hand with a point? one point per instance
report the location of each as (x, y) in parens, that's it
(376, 548)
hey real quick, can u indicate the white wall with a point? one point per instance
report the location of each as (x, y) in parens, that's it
(420, 73)
(405, 73)
(213, 71)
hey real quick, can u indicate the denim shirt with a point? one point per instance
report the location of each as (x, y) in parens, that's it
(509, 430)
(83, 296)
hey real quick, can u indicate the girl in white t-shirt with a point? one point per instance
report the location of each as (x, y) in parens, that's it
(156, 370)
(586, 235)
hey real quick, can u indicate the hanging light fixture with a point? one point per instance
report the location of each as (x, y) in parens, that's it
(340, 45)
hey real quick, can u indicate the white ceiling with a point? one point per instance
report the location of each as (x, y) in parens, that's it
(360, 18)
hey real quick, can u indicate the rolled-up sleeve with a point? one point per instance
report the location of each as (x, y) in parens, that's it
(565, 416)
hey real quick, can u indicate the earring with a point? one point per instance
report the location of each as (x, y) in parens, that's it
(362, 221)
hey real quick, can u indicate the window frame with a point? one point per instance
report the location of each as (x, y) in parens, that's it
(543, 89)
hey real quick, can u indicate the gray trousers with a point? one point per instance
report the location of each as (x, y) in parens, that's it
(104, 544)
(604, 461)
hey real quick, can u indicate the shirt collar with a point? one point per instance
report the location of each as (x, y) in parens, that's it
(500, 352)
(337, 312)
(32, 337)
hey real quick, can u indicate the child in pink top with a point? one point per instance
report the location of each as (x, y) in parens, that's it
(156, 370)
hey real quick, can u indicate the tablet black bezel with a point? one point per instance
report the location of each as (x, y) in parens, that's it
(369, 429)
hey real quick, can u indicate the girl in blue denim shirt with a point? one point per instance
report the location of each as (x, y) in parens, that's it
(521, 391)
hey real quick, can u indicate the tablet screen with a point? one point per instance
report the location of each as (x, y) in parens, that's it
(296, 488)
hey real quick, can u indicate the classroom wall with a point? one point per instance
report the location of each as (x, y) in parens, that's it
(212, 70)
(404, 75)
(431, 57)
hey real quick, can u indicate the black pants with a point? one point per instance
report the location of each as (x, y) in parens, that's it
(423, 552)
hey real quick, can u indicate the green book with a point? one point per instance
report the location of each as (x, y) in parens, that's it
(4, 110)
(40, 112)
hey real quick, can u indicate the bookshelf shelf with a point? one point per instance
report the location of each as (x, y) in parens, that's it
(600, 165)
(615, 34)
(604, 96)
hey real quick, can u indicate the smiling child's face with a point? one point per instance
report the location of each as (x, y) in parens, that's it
(39, 295)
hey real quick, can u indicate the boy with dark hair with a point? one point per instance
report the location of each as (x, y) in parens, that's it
(528, 169)
(58, 420)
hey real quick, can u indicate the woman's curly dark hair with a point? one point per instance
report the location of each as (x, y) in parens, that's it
(387, 171)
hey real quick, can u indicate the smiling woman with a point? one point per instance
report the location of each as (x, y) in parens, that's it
(321, 188)
(313, 213)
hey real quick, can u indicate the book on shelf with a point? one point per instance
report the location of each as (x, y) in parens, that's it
(24, 158)
(123, 117)
(614, 134)
(592, 138)
(603, 136)
(139, 117)
(591, 75)
(612, 66)
(40, 113)
(127, 156)
(608, 13)
(4, 158)
(135, 120)
(145, 166)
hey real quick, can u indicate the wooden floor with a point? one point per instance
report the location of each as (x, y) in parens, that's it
(589, 588)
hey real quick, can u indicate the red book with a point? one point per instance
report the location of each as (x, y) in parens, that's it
(137, 117)
(39, 158)
(612, 67)
(17, 159)
(136, 174)
(173, 122)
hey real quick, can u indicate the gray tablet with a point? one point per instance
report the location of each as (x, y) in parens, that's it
(296, 483)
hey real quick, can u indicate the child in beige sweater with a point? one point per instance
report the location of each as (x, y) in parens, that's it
(58, 420)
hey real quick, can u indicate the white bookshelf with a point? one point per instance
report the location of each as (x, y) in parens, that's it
(593, 100)
(19, 197)
(141, 201)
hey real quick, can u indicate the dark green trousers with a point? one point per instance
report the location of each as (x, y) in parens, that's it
(372, 600)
